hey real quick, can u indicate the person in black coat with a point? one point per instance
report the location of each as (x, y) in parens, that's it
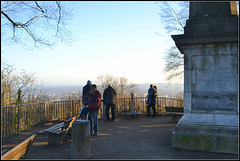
(109, 99)
(85, 91)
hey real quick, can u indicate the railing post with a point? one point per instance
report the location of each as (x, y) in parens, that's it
(28, 113)
(18, 121)
(44, 112)
(72, 108)
(132, 96)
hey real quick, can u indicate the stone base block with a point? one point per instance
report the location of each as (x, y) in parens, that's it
(217, 144)
(80, 145)
(210, 138)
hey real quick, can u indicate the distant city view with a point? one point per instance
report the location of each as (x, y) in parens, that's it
(58, 93)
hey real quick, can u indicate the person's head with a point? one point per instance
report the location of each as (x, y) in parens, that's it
(155, 87)
(89, 82)
(93, 87)
(109, 85)
(151, 85)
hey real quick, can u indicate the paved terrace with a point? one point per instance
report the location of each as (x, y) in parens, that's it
(135, 138)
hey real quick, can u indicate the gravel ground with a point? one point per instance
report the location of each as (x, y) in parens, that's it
(134, 138)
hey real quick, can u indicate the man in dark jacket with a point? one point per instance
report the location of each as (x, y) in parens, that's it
(85, 91)
(93, 100)
(109, 99)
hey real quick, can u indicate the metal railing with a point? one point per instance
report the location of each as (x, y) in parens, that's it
(20, 117)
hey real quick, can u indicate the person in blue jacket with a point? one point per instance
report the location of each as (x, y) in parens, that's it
(151, 100)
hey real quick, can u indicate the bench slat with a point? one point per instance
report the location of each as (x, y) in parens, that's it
(19, 150)
(16, 156)
(54, 127)
(69, 120)
(56, 131)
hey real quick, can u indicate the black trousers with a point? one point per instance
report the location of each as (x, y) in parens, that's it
(112, 111)
(153, 105)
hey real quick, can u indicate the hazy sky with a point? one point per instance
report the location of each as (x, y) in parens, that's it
(116, 38)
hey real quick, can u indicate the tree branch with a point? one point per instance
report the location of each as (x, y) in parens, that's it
(9, 18)
(59, 15)
(39, 7)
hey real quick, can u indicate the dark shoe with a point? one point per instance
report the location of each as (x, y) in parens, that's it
(94, 134)
(147, 115)
(153, 116)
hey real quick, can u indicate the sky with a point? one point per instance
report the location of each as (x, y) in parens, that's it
(111, 38)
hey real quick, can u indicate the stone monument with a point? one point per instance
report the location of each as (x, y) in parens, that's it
(211, 91)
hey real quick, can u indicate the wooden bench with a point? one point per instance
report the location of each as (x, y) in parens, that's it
(56, 133)
(19, 151)
(174, 111)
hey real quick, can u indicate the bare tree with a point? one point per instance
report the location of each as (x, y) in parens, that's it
(173, 14)
(18, 87)
(125, 89)
(120, 84)
(8, 80)
(105, 80)
(34, 23)
(174, 64)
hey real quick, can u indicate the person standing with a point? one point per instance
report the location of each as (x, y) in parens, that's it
(109, 99)
(93, 100)
(151, 91)
(151, 101)
(85, 91)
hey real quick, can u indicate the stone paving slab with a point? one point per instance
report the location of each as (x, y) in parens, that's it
(125, 138)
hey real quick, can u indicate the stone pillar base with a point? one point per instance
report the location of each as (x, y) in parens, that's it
(80, 145)
(211, 137)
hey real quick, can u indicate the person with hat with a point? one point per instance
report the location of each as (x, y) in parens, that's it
(109, 99)
(93, 101)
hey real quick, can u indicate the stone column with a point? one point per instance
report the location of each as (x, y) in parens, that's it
(80, 145)
(211, 90)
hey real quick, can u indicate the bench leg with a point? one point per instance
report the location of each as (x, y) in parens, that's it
(55, 138)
